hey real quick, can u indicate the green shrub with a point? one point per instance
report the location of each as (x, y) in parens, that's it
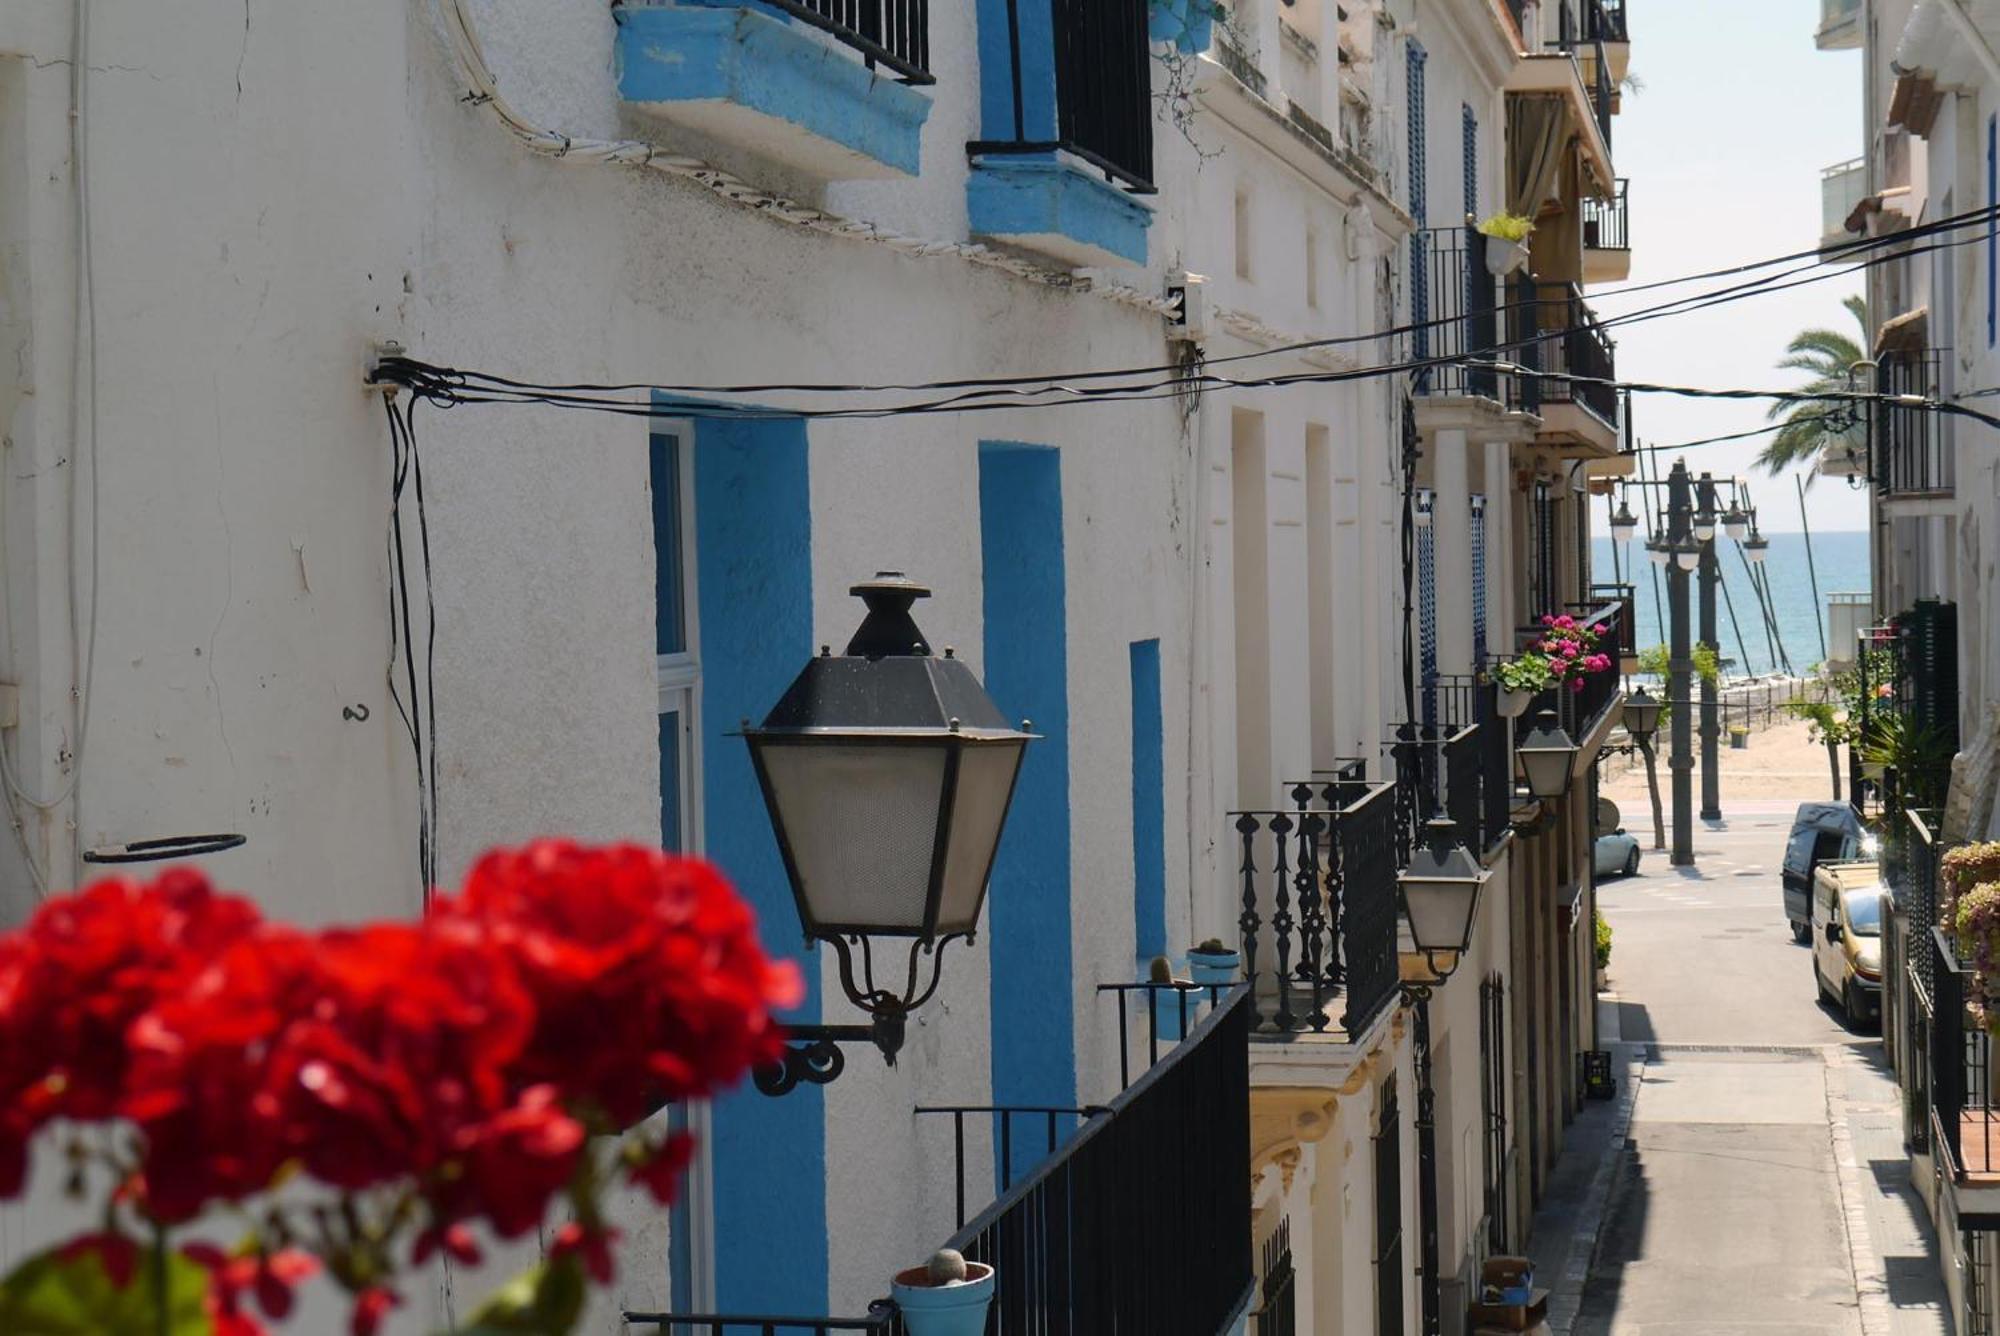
(1603, 932)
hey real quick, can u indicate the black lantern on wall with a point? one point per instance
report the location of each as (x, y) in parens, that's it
(1440, 890)
(1547, 755)
(1642, 715)
(887, 772)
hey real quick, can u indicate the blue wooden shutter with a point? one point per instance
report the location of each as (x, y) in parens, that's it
(1420, 303)
(1469, 131)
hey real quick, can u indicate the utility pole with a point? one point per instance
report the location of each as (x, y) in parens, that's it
(1679, 665)
(1711, 729)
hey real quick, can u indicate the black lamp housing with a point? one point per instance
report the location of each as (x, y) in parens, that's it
(1547, 756)
(1440, 893)
(1641, 715)
(887, 772)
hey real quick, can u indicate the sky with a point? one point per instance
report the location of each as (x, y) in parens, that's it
(1724, 146)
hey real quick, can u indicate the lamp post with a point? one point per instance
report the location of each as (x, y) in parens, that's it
(1680, 664)
(887, 772)
(1548, 755)
(1440, 902)
(1711, 728)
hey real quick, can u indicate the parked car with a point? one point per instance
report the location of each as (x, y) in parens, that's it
(1847, 937)
(1821, 833)
(1616, 853)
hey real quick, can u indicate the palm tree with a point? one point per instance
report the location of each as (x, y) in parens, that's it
(1811, 427)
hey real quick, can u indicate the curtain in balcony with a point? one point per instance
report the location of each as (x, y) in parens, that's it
(1535, 143)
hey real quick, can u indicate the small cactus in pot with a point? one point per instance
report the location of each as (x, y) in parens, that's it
(1214, 963)
(947, 1296)
(1175, 1001)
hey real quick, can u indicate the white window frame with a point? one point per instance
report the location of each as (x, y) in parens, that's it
(679, 682)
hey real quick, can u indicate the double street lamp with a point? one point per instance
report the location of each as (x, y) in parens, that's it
(887, 772)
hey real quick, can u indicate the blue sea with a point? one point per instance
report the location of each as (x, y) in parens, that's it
(1839, 559)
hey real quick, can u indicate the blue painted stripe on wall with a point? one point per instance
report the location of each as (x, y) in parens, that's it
(996, 70)
(1149, 803)
(753, 556)
(1027, 672)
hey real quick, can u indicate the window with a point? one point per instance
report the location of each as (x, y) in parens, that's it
(679, 678)
(1388, 1214)
(1242, 233)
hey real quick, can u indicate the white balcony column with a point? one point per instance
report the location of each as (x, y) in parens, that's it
(1451, 537)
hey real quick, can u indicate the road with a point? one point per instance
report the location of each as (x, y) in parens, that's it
(1764, 1192)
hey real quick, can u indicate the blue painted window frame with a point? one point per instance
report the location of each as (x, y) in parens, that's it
(1149, 803)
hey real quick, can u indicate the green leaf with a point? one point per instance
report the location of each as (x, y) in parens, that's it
(52, 1295)
(546, 1301)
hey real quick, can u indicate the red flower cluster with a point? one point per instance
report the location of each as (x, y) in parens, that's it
(566, 991)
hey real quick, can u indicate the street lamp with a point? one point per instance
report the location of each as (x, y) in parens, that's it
(1440, 895)
(1658, 552)
(1623, 522)
(1687, 555)
(1704, 525)
(1547, 756)
(1641, 715)
(1757, 547)
(1735, 522)
(1440, 890)
(887, 773)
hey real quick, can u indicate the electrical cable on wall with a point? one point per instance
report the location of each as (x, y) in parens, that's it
(421, 705)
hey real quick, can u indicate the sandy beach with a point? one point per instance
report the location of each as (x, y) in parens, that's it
(1779, 762)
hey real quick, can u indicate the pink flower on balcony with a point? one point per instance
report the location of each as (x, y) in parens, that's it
(1570, 650)
(1575, 685)
(1566, 622)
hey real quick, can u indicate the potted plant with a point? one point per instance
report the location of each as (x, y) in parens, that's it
(1506, 242)
(1601, 934)
(1739, 736)
(947, 1296)
(1521, 680)
(1174, 1000)
(1963, 868)
(1214, 964)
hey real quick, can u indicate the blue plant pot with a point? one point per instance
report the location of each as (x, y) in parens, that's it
(944, 1310)
(1221, 969)
(1167, 1009)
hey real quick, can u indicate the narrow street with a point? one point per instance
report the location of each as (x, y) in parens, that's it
(1765, 1186)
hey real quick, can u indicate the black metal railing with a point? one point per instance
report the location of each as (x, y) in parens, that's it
(1452, 699)
(884, 1319)
(1104, 90)
(1157, 1173)
(1580, 711)
(895, 34)
(1318, 908)
(1574, 344)
(1909, 448)
(1170, 1011)
(1277, 1313)
(1455, 304)
(1917, 892)
(1607, 222)
(1604, 20)
(1965, 1122)
(1047, 1124)
(1624, 643)
(1524, 344)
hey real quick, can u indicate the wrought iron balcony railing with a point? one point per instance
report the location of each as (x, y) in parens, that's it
(1156, 1169)
(1605, 21)
(1318, 908)
(1581, 711)
(1454, 313)
(1965, 1123)
(1574, 344)
(1606, 222)
(1911, 451)
(895, 34)
(1104, 90)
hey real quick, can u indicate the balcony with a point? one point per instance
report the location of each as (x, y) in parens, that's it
(1910, 451)
(827, 87)
(1588, 715)
(1459, 761)
(1607, 238)
(1839, 25)
(1318, 910)
(1579, 417)
(1155, 1173)
(1964, 1119)
(1842, 187)
(1035, 180)
(1455, 324)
